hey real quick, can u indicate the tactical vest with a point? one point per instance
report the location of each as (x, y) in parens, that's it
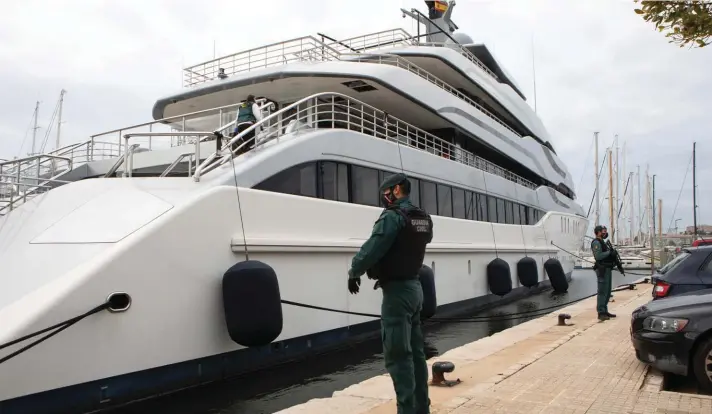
(245, 113)
(608, 261)
(405, 257)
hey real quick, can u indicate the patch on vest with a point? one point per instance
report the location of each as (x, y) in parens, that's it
(420, 225)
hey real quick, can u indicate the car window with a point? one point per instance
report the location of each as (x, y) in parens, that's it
(674, 262)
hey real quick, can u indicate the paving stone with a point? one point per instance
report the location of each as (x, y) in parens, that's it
(538, 367)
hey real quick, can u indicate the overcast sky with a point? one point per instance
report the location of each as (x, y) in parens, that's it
(599, 67)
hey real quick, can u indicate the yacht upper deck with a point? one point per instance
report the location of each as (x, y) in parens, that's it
(312, 49)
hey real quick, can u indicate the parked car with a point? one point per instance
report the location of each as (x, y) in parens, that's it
(689, 271)
(675, 335)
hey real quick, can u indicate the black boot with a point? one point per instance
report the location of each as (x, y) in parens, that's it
(603, 317)
(610, 315)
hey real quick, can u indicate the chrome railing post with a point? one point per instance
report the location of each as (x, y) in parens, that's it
(126, 155)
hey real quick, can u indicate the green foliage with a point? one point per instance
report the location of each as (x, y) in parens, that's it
(686, 22)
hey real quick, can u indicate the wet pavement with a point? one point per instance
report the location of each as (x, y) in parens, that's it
(318, 377)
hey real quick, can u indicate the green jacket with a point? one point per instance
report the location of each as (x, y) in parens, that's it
(384, 233)
(602, 258)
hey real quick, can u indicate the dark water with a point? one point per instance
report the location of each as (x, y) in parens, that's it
(272, 390)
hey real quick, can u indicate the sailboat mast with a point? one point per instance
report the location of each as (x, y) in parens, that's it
(623, 175)
(617, 199)
(610, 191)
(34, 128)
(639, 219)
(631, 221)
(59, 117)
(694, 189)
(598, 178)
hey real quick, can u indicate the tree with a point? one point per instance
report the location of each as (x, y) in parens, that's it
(687, 22)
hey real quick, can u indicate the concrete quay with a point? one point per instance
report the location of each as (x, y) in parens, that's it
(538, 367)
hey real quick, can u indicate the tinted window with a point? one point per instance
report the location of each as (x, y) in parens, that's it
(501, 215)
(674, 262)
(458, 203)
(444, 200)
(334, 181)
(470, 205)
(492, 208)
(298, 180)
(364, 185)
(516, 213)
(509, 219)
(428, 197)
(481, 207)
(414, 191)
(522, 214)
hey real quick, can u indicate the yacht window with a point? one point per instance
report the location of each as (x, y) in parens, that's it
(501, 215)
(470, 205)
(492, 208)
(428, 197)
(414, 191)
(481, 207)
(509, 219)
(522, 214)
(458, 203)
(444, 200)
(515, 207)
(364, 185)
(298, 180)
(334, 181)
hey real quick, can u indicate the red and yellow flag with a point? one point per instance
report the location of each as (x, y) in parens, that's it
(441, 6)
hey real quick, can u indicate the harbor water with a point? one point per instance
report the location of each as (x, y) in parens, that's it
(275, 389)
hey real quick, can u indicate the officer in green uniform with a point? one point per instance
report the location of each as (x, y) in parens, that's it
(245, 118)
(393, 255)
(605, 262)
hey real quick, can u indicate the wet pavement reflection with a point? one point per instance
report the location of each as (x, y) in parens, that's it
(275, 389)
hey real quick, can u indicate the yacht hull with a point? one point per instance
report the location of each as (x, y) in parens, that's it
(169, 253)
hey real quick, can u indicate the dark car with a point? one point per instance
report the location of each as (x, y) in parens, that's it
(675, 335)
(689, 271)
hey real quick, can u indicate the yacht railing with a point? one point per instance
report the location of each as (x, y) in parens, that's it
(309, 48)
(464, 52)
(373, 41)
(395, 60)
(329, 110)
(16, 192)
(301, 49)
(206, 119)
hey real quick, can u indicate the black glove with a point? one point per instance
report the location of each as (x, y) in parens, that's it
(354, 284)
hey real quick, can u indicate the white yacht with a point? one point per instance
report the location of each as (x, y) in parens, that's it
(153, 222)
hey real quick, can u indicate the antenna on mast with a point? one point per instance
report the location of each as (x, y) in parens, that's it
(534, 76)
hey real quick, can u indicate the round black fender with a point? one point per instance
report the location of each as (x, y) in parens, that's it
(557, 277)
(252, 303)
(527, 272)
(430, 301)
(499, 277)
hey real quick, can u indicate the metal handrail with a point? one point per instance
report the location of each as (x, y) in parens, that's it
(176, 162)
(128, 157)
(464, 52)
(374, 40)
(119, 162)
(306, 48)
(395, 60)
(369, 120)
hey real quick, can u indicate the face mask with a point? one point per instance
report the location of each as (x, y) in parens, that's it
(387, 199)
(604, 236)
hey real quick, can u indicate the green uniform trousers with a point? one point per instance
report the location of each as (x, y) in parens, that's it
(605, 280)
(403, 345)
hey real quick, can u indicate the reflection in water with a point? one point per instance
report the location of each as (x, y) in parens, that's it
(319, 376)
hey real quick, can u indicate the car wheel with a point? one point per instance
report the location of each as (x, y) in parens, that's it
(702, 364)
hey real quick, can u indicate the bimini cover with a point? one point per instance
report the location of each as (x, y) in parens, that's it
(108, 218)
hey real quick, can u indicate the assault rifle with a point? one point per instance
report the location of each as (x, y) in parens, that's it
(616, 257)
